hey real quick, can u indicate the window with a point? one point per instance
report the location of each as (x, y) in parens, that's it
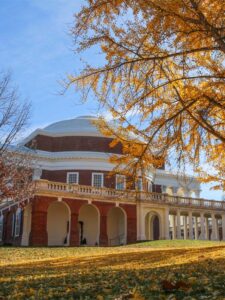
(1, 227)
(13, 224)
(73, 177)
(18, 221)
(97, 179)
(139, 185)
(120, 182)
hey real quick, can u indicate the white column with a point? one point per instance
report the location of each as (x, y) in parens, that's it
(178, 225)
(142, 228)
(202, 227)
(25, 237)
(217, 230)
(185, 227)
(174, 227)
(196, 228)
(141, 222)
(214, 235)
(223, 227)
(167, 224)
(190, 225)
(206, 228)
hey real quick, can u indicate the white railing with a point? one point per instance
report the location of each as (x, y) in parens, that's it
(130, 196)
(44, 185)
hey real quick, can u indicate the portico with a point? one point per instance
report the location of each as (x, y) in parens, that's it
(158, 216)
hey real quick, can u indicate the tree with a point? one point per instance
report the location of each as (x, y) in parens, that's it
(162, 79)
(15, 171)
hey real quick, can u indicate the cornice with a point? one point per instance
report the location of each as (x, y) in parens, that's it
(61, 134)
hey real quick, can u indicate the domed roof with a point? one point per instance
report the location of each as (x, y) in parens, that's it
(79, 126)
(82, 126)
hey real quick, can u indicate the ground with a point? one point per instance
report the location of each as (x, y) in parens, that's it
(153, 270)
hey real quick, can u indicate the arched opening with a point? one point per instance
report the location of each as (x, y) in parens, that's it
(116, 226)
(26, 225)
(89, 225)
(58, 224)
(152, 226)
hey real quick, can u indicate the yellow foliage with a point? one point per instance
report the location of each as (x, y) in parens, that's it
(153, 270)
(163, 79)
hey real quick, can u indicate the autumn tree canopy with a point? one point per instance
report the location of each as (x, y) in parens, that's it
(162, 78)
(15, 171)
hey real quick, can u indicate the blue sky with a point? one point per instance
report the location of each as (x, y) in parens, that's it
(36, 46)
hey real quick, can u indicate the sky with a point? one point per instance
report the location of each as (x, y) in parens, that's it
(37, 48)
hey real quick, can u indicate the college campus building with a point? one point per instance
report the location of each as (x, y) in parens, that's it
(77, 203)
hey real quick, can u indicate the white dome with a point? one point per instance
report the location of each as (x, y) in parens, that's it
(80, 126)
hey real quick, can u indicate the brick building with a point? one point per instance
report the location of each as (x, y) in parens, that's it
(76, 202)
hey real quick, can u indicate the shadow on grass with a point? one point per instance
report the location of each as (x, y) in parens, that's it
(137, 274)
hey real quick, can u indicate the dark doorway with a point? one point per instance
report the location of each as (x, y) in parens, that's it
(155, 224)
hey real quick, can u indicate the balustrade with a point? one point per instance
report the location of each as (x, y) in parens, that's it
(44, 185)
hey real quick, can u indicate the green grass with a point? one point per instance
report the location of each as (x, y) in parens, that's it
(176, 244)
(150, 270)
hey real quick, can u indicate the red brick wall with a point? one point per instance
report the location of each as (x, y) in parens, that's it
(74, 143)
(38, 236)
(85, 176)
(40, 204)
(131, 211)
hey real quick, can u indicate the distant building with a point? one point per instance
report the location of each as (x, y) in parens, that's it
(77, 203)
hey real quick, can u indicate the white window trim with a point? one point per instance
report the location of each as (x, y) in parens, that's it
(124, 177)
(17, 223)
(1, 226)
(92, 178)
(69, 173)
(13, 224)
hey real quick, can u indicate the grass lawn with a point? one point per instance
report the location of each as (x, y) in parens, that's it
(152, 270)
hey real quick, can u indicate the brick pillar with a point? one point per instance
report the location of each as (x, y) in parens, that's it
(131, 214)
(131, 230)
(38, 235)
(103, 208)
(103, 238)
(74, 205)
(74, 230)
